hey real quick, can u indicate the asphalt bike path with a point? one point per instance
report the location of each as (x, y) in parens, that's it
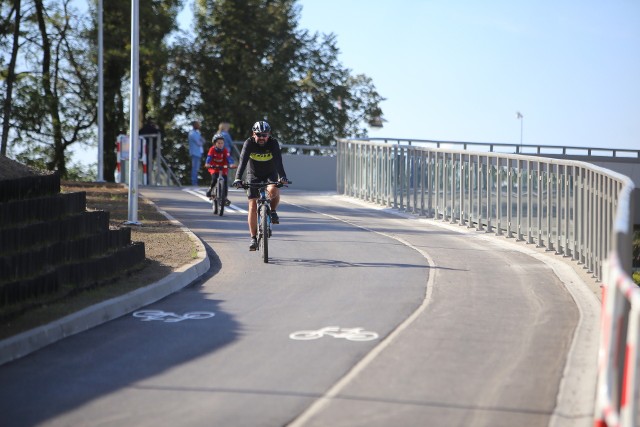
(490, 347)
(360, 318)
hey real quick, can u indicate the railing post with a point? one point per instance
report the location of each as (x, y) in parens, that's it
(509, 197)
(549, 202)
(479, 183)
(488, 195)
(539, 205)
(498, 225)
(395, 174)
(519, 201)
(437, 184)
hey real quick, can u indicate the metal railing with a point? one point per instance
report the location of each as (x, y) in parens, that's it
(302, 149)
(165, 175)
(574, 208)
(551, 150)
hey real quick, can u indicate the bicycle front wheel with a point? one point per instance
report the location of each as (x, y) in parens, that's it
(222, 194)
(214, 200)
(264, 225)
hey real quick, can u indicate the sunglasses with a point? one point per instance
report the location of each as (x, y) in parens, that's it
(262, 134)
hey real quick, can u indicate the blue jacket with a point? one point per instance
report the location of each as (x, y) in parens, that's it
(228, 142)
(195, 143)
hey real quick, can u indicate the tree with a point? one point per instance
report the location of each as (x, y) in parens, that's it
(10, 76)
(157, 21)
(246, 61)
(254, 63)
(54, 105)
(245, 55)
(180, 97)
(116, 42)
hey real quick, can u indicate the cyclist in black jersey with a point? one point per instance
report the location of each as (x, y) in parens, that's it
(261, 159)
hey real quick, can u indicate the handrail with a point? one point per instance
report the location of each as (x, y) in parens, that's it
(571, 207)
(513, 148)
(330, 149)
(166, 169)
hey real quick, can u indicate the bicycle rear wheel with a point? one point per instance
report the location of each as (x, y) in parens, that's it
(264, 226)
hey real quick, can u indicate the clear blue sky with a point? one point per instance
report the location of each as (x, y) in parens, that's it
(460, 69)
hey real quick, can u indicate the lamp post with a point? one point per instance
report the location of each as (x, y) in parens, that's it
(520, 117)
(100, 96)
(133, 115)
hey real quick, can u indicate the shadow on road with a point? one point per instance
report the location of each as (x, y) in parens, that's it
(116, 355)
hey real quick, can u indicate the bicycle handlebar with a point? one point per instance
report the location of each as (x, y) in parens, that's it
(247, 185)
(221, 167)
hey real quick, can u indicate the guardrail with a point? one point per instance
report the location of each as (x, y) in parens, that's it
(573, 208)
(307, 149)
(513, 148)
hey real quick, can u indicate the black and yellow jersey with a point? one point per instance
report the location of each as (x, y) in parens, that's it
(260, 161)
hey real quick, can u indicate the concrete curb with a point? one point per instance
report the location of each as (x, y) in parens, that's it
(27, 342)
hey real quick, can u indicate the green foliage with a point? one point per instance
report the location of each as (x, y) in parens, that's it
(84, 173)
(254, 63)
(53, 103)
(247, 61)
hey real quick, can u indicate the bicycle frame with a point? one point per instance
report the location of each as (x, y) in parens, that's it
(220, 190)
(263, 212)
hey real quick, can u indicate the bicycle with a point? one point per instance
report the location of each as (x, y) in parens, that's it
(220, 191)
(264, 214)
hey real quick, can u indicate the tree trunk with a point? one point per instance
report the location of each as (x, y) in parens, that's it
(11, 78)
(57, 161)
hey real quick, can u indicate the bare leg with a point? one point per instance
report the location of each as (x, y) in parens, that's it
(274, 195)
(253, 217)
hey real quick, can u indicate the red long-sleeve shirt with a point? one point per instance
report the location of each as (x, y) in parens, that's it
(218, 159)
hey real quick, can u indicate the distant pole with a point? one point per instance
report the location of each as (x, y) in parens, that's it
(133, 117)
(520, 117)
(100, 97)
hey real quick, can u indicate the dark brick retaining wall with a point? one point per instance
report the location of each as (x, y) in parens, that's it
(51, 247)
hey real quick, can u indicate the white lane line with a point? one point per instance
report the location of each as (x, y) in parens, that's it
(197, 194)
(574, 401)
(237, 209)
(201, 194)
(321, 402)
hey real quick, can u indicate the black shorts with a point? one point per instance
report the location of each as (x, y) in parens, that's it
(252, 192)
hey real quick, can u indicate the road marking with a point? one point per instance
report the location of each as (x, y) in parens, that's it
(577, 385)
(169, 317)
(351, 334)
(201, 195)
(322, 401)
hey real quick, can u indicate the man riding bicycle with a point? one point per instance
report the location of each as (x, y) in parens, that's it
(218, 161)
(262, 160)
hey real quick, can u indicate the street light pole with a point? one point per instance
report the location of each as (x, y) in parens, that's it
(133, 115)
(100, 96)
(520, 117)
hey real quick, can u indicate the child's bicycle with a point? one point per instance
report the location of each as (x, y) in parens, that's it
(219, 194)
(264, 214)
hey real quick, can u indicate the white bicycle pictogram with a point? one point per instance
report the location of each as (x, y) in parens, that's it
(169, 317)
(351, 334)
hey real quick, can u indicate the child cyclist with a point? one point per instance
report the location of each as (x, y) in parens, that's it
(218, 161)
